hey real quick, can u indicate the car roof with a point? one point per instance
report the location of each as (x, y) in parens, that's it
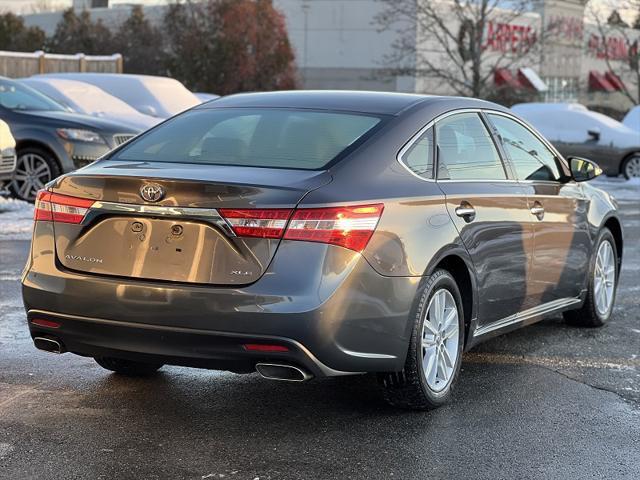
(382, 103)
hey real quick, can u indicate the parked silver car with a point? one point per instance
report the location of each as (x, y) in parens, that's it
(7, 154)
(577, 131)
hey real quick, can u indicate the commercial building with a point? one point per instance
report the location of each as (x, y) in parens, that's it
(338, 44)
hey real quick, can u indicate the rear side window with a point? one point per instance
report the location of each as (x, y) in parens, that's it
(466, 150)
(280, 138)
(530, 157)
(419, 157)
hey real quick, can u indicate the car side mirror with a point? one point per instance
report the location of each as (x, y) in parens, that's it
(583, 169)
(594, 133)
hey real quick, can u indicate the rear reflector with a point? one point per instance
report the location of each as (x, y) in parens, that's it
(60, 208)
(45, 323)
(262, 223)
(349, 227)
(260, 347)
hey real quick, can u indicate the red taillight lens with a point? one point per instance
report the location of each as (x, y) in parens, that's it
(262, 223)
(45, 323)
(350, 227)
(60, 208)
(260, 347)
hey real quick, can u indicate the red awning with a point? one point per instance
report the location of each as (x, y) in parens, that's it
(503, 78)
(598, 82)
(528, 78)
(614, 80)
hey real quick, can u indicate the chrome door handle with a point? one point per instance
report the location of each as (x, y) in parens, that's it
(538, 211)
(466, 211)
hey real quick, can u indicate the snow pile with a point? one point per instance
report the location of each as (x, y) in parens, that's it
(16, 219)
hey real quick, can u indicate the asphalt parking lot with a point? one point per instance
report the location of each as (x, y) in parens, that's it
(548, 401)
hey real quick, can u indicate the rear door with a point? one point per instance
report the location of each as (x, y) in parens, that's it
(558, 212)
(489, 208)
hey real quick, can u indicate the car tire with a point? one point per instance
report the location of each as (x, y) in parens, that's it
(128, 368)
(416, 387)
(631, 166)
(595, 311)
(35, 167)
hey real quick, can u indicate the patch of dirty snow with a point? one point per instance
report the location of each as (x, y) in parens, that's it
(621, 189)
(16, 219)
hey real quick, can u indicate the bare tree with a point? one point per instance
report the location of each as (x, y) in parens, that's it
(618, 45)
(460, 42)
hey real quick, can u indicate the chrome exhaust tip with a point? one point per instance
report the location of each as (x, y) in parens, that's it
(286, 373)
(48, 345)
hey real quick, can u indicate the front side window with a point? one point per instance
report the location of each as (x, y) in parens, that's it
(15, 96)
(530, 157)
(419, 157)
(466, 150)
(277, 138)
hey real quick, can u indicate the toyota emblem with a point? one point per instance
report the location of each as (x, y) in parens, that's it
(152, 192)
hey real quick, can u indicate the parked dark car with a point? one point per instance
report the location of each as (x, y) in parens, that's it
(311, 234)
(51, 140)
(577, 131)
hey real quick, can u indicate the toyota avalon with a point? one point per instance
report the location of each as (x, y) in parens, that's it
(314, 234)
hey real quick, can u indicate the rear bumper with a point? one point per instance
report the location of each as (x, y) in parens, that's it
(172, 345)
(327, 304)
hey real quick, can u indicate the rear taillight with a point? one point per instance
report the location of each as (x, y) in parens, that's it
(350, 227)
(60, 208)
(263, 223)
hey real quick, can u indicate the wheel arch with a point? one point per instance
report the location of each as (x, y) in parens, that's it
(615, 227)
(459, 265)
(626, 157)
(30, 143)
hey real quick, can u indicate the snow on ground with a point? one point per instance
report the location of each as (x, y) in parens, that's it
(623, 190)
(16, 217)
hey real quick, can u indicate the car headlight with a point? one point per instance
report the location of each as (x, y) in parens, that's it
(79, 135)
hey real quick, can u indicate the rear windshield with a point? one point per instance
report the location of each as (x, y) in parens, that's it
(277, 138)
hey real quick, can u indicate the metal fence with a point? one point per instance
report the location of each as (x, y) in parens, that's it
(23, 64)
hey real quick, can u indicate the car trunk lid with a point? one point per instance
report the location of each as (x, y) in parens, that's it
(182, 236)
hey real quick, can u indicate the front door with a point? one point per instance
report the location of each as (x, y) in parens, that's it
(490, 211)
(558, 213)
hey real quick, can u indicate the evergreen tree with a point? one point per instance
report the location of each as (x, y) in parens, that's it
(79, 34)
(140, 44)
(14, 36)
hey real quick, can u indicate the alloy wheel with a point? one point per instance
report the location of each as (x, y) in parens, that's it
(632, 167)
(32, 174)
(604, 278)
(440, 339)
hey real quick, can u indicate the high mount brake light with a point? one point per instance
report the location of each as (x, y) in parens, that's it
(350, 226)
(60, 208)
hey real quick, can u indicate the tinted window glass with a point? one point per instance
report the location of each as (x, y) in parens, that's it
(252, 137)
(419, 158)
(466, 151)
(531, 158)
(15, 96)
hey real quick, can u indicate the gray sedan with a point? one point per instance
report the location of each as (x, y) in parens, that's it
(313, 234)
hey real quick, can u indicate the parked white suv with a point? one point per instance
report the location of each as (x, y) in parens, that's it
(7, 154)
